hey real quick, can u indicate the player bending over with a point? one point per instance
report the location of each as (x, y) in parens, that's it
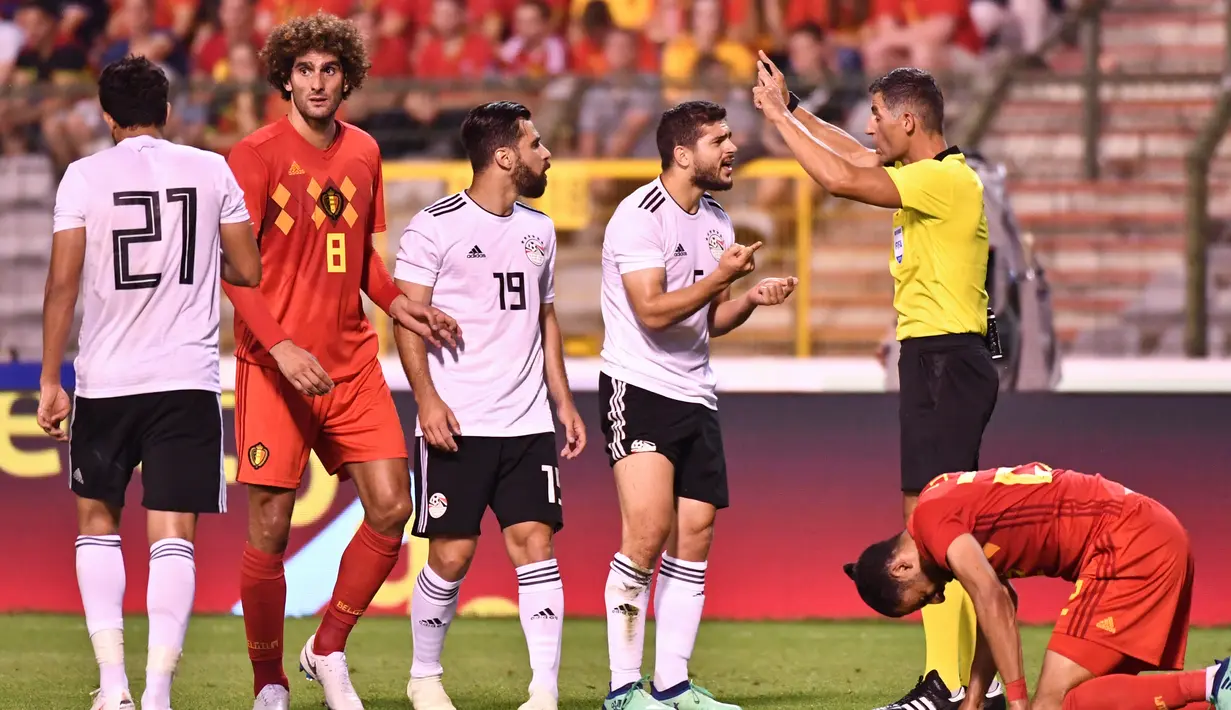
(485, 434)
(669, 259)
(1128, 556)
(141, 225)
(307, 374)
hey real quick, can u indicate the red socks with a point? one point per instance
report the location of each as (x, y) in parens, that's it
(263, 593)
(366, 564)
(1170, 691)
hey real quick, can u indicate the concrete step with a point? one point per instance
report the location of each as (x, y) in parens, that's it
(1118, 116)
(1173, 29)
(1152, 156)
(1068, 90)
(1088, 200)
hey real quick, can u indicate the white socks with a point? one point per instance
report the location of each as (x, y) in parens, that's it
(540, 602)
(169, 596)
(627, 596)
(678, 600)
(431, 611)
(100, 576)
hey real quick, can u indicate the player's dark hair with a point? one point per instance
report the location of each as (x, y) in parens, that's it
(322, 32)
(683, 125)
(876, 586)
(914, 90)
(490, 127)
(133, 91)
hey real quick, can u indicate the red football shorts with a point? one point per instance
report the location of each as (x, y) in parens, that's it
(276, 427)
(1133, 596)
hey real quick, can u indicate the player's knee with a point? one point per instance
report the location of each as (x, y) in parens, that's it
(1047, 701)
(269, 519)
(450, 558)
(528, 543)
(389, 517)
(645, 538)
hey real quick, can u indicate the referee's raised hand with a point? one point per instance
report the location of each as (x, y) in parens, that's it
(737, 261)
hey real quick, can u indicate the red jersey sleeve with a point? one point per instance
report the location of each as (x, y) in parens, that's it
(934, 525)
(252, 175)
(377, 283)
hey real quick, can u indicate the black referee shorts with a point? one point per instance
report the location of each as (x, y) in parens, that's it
(948, 389)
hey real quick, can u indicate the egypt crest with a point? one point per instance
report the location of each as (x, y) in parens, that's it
(258, 455)
(332, 202)
(716, 244)
(536, 252)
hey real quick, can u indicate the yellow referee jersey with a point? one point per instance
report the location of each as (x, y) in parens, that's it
(939, 262)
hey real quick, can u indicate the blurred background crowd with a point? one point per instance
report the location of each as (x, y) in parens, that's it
(1100, 123)
(600, 71)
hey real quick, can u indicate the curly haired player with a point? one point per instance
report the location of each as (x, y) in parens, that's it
(1127, 555)
(307, 374)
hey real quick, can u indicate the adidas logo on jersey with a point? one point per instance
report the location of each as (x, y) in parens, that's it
(544, 615)
(295, 169)
(77, 476)
(679, 250)
(432, 623)
(1108, 625)
(643, 447)
(476, 253)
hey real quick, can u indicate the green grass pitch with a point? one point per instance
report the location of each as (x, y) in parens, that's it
(46, 663)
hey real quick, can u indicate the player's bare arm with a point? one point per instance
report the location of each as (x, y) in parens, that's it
(842, 142)
(727, 314)
(59, 304)
(557, 383)
(436, 419)
(994, 609)
(657, 308)
(241, 257)
(427, 322)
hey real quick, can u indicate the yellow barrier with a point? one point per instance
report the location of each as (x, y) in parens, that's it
(568, 202)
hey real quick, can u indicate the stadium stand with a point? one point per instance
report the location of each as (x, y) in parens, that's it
(1113, 246)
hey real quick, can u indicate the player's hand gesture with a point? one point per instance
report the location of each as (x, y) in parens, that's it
(438, 423)
(771, 292)
(428, 322)
(772, 79)
(53, 408)
(574, 431)
(737, 261)
(301, 369)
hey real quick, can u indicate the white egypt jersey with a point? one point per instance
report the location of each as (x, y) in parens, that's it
(150, 282)
(493, 274)
(649, 230)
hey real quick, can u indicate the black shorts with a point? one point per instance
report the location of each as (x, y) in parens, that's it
(517, 476)
(637, 420)
(948, 388)
(175, 436)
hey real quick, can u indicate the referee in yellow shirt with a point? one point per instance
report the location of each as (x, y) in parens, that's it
(948, 382)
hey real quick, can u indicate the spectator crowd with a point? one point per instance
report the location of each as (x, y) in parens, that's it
(596, 72)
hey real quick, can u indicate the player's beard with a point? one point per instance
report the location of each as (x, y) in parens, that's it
(528, 183)
(322, 116)
(710, 179)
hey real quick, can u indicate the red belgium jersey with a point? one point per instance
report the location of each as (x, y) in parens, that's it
(315, 212)
(1031, 520)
